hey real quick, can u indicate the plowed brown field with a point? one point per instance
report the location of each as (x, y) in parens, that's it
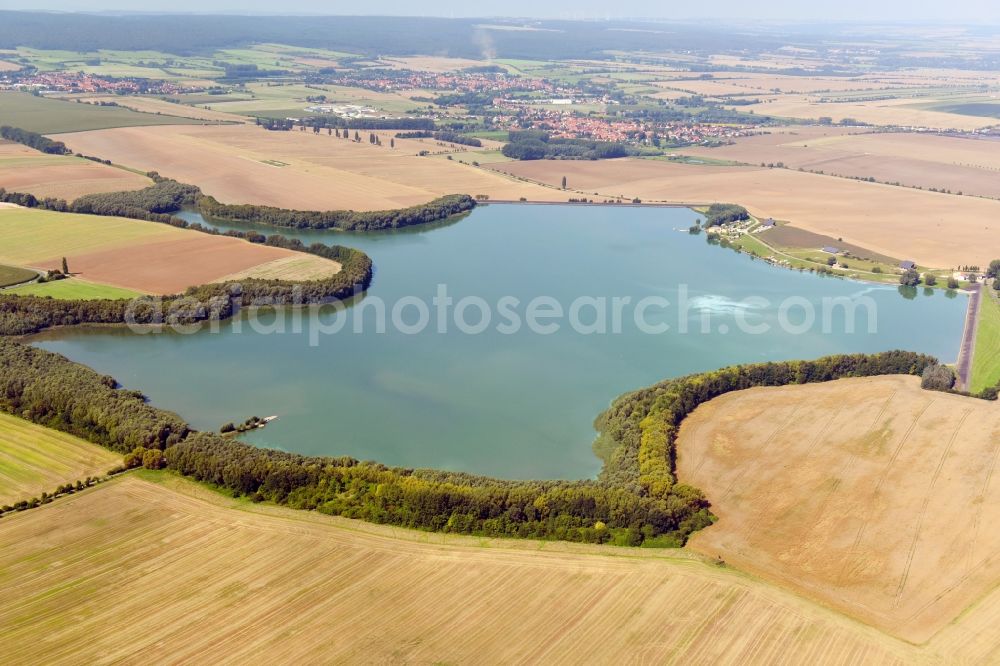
(142, 256)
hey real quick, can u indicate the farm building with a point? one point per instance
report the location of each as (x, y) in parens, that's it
(831, 250)
(907, 265)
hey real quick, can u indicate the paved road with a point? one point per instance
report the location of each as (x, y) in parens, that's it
(964, 365)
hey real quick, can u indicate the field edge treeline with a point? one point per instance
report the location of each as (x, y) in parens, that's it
(437, 210)
(165, 196)
(637, 499)
(24, 315)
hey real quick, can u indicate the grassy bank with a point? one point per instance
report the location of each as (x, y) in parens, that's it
(73, 289)
(986, 357)
(11, 275)
(853, 265)
(36, 459)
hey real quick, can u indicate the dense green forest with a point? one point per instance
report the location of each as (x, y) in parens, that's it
(347, 220)
(538, 145)
(50, 390)
(370, 35)
(164, 196)
(31, 201)
(452, 137)
(33, 140)
(637, 499)
(722, 213)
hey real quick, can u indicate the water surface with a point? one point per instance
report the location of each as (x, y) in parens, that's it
(512, 405)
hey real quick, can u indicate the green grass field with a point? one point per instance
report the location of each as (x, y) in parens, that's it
(977, 109)
(34, 459)
(480, 156)
(147, 64)
(811, 258)
(281, 101)
(986, 357)
(807, 259)
(699, 160)
(10, 275)
(52, 116)
(173, 67)
(492, 135)
(30, 235)
(197, 99)
(73, 289)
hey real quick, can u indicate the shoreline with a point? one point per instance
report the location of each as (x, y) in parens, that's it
(605, 204)
(693, 207)
(967, 348)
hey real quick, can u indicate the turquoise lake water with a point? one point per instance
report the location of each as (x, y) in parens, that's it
(510, 404)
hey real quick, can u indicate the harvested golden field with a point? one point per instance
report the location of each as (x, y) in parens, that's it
(24, 169)
(34, 459)
(967, 165)
(242, 164)
(732, 83)
(132, 254)
(295, 268)
(932, 229)
(869, 495)
(32, 235)
(154, 105)
(9, 66)
(901, 111)
(210, 579)
(931, 76)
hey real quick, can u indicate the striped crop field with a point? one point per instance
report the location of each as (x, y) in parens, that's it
(35, 459)
(151, 567)
(870, 495)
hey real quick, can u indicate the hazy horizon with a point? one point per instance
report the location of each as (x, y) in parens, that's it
(959, 11)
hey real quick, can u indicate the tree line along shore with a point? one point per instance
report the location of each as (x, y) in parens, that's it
(637, 499)
(21, 315)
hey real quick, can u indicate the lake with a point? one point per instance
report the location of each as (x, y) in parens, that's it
(500, 399)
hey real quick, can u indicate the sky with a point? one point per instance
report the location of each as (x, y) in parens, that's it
(969, 11)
